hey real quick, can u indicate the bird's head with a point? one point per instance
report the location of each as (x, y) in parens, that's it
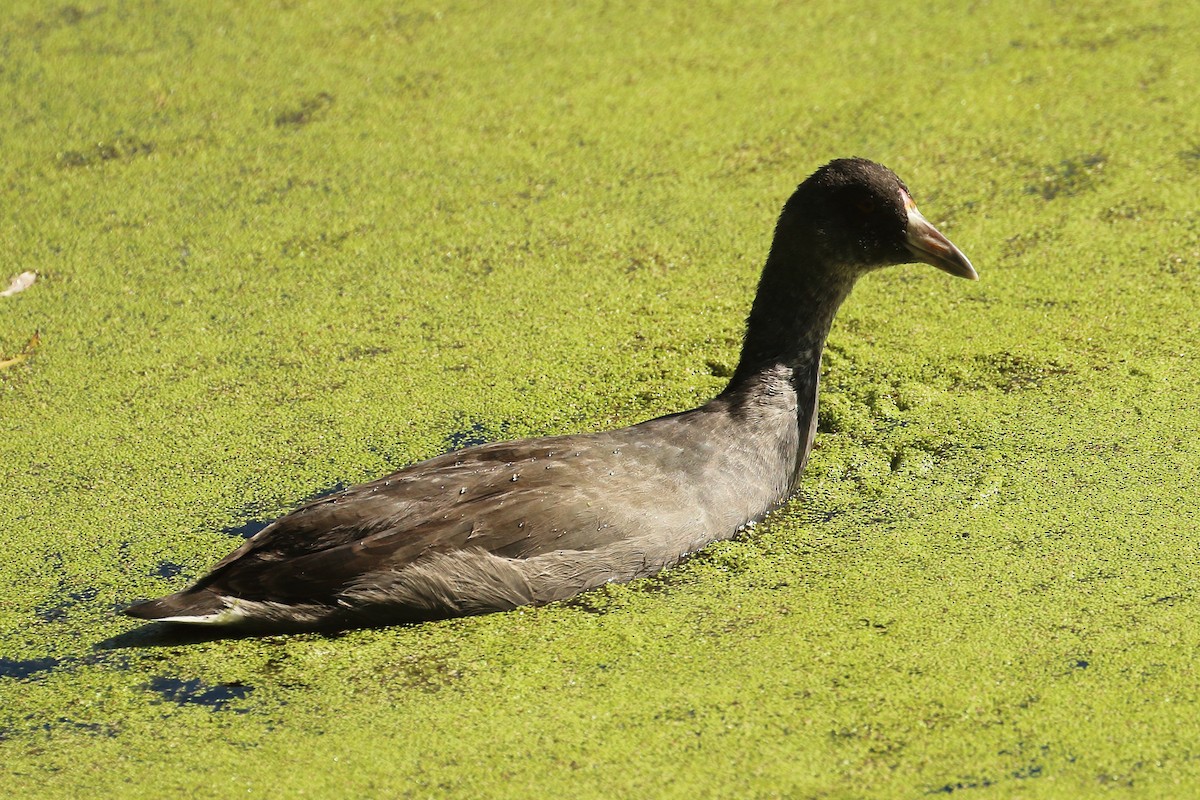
(862, 217)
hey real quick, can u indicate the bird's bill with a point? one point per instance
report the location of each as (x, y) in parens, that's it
(927, 244)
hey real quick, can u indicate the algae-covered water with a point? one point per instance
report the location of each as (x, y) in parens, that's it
(294, 245)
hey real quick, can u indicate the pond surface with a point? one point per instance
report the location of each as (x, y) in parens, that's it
(281, 247)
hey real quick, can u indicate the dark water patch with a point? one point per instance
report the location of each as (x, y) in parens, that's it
(195, 692)
(122, 149)
(951, 788)
(96, 728)
(1011, 372)
(1181, 265)
(1022, 243)
(1086, 40)
(73, 15)
(323, 242)
(249, 529)
(53, 613)
(279, 191)
(426, 673)
(470, 433)
(1122, 212)
(665, 581)
(99, 729)
(22, 668)
(589, 603)
(1069, 177)
(1113, 38)
(404, 24)
(1025, 773)
(309, 110)
(393, 453)
(718, 369)
(358, 353)
(58, 611)
(167, 570)
(471, 436)
(611, 598)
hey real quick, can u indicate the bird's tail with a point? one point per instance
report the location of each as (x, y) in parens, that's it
(194, 605)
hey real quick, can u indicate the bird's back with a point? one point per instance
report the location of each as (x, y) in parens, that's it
(538, 520)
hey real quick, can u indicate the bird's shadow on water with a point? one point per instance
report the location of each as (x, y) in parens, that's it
(172, 634)
(176, 634)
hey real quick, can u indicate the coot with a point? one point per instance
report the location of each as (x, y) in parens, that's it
(527, 522)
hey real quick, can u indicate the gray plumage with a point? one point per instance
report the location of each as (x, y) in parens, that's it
(529, 522)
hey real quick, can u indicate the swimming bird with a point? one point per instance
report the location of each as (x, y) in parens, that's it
(508, 524)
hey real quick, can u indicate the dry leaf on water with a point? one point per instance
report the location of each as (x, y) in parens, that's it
(30, 346)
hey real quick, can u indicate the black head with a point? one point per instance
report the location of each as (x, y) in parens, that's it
(861, 217)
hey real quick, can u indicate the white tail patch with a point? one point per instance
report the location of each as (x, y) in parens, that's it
(231, 615)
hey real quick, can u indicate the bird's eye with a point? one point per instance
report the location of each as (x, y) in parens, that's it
(866, 205)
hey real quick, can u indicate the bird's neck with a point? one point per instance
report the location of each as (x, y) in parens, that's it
(777, 377)
(790, 319)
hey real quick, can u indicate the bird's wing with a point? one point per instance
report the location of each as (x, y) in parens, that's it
(513, 499)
